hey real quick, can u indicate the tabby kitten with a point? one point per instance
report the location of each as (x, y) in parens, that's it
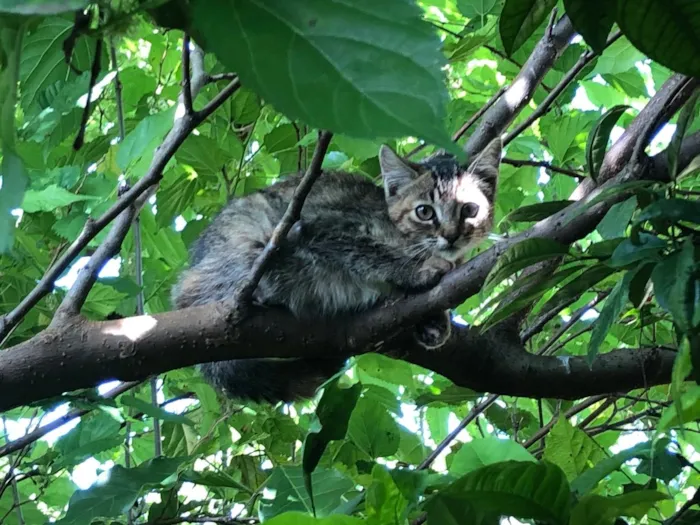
(357, 245)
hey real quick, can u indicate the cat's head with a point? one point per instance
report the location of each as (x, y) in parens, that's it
(447, 206)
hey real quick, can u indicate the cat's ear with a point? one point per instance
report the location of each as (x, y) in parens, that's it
(487, 162)
(396, 172)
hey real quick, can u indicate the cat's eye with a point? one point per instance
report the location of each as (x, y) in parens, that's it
(425, 212)
(470, 210)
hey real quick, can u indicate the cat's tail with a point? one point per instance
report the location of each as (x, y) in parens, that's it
(271, 380)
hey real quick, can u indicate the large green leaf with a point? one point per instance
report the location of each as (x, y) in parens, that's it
(373, 430)
(571, 449)
(675, 286)
(537, 212)
(587, 481)
(599, 137)
(317, 60)
(673, 210)
(628, 251)
(520, 19)
(299, 518)
(50, 198)
(599, 510)
(119, 492)
(487, 451)
(331, 423)
(94, 433)
(512, 488)
(286, 492)
(614, 304)
(648, 24)
(591, 18)
(43, 62)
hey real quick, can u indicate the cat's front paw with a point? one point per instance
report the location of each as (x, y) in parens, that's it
(434, 332)
(432, 270)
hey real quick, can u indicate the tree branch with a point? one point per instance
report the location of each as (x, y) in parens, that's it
(290, 217)
(180, 131)
(186, 79)
(542, 164)
(521, 90)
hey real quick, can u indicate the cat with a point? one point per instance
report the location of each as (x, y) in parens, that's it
(356, 245)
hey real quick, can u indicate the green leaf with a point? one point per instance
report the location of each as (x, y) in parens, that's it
(571, 449)
(385, 503)
(673, 210)
(627, 252)
(452, 395)
(592, 19)
(521, 255)
(520, 19)
(615, 222)
(41, 7)
(94, 433)
(574, 288)
(143, 138)
(43, 62)
(296, 57)
(116, 496)
(205, 155)
(537, 212)
(14, 181)
(474, 8)
(687, 410)
(675, 286)
(588, 480)
(662, 464)
(647, 24)
(599, 510)
(599, 137)
(684, 119)
(299, 518)
(487, 451)
(285, 492)
(153, 411)
(513, 488)
(50, 198)
(612, 309)
(331, 424)
(472, 41)
(373, 430)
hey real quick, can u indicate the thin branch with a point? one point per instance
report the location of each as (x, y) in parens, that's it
(94, 72)
(181, 130)
(542, 432)
(220, 76)
(586, 58)
(37, 434)
(468, 124)
(540, 323)
(290, 217)
(543, 164)
(117, 91)
(13, 479)
(87, 276)
(186, 79)
(695, 500)
(473, 414)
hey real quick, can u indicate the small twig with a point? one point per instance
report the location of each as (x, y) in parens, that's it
(473, 414)
(571, 322)
(542, 432)
(37, 434)
(586, 58)
(468, 124)
(117, 91)
(542, 164)
(13, 479)
(539, 323)
(94, 72)
(186, 78)
(552, 22)
(220, 76)
(291, 216)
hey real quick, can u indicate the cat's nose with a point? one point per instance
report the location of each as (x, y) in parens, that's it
(450, 236)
